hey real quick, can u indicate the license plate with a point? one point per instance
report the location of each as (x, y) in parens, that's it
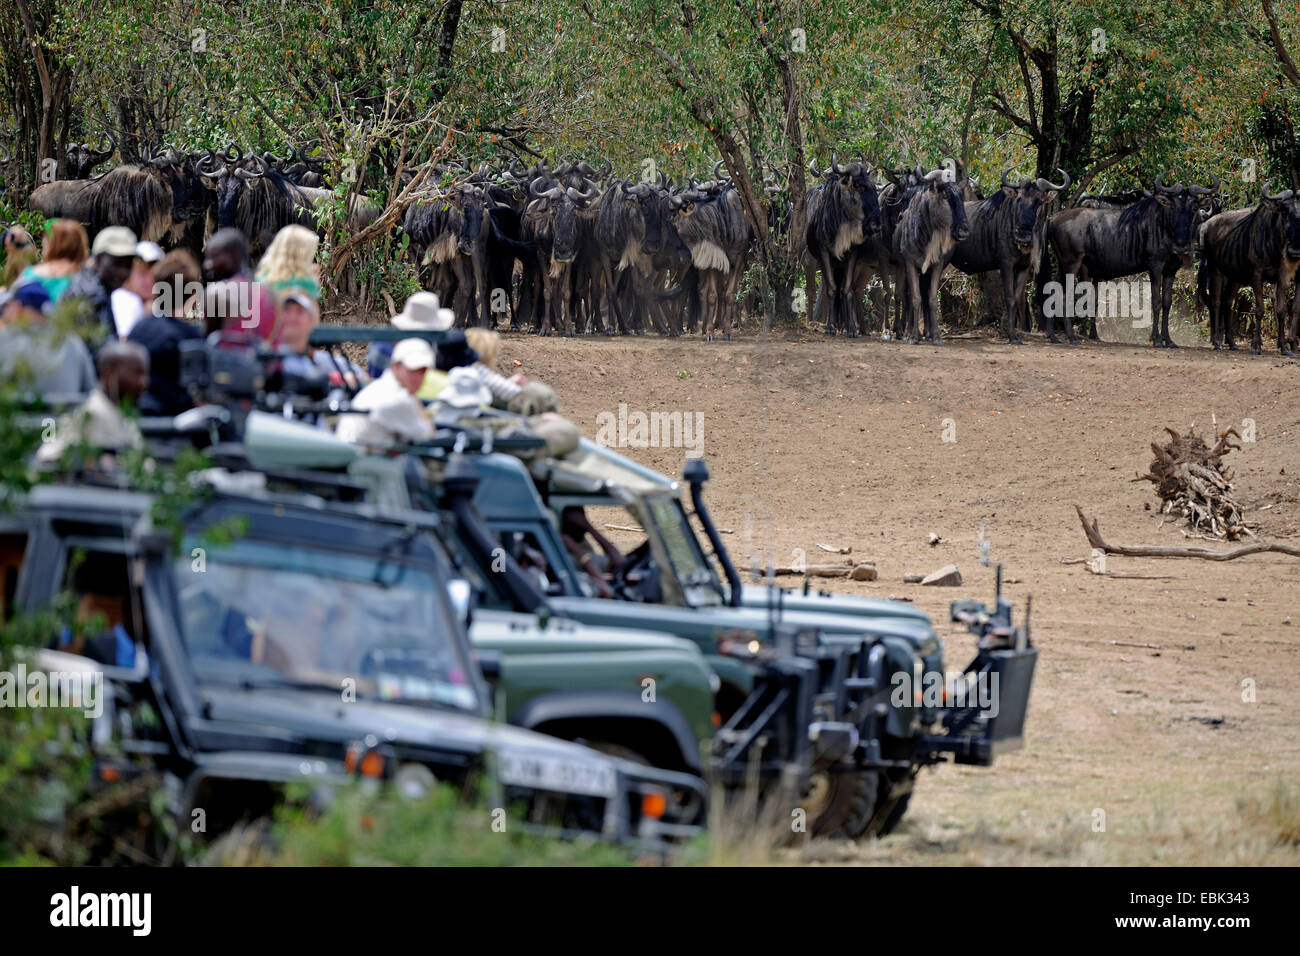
(557, 774)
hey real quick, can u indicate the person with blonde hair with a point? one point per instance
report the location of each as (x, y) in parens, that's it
(290, 261)
(487, 344)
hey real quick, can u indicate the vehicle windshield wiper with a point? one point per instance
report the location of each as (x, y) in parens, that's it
(265, 683)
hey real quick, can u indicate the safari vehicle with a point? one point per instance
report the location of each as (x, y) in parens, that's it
(322, 641)
(873, 665)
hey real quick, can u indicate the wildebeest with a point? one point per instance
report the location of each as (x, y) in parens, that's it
(155, 199)
(630, 232)
(711, 224)
(1153, 235)
(1006, 233)
(843, 218)
(556, 221)
(931, 226)
(1253, 246)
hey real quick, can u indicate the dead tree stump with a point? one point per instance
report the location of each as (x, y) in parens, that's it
(1193, 482)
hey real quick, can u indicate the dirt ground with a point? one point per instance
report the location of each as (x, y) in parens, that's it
(1134, 754)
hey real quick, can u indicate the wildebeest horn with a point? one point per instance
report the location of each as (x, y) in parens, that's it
(210, 161)
(675, 202)
(873, 179)
(1046, 186)
(1160, 183)
(717, 170)
(1280, 197)
(582, 196)
(812, 166)
(932, 175)
(248, 175)
(836, 167)
(1005, 182)
(1202, 191)
(663, 179)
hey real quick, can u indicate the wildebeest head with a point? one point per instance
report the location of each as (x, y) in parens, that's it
(940, 187)
(189, 194)
(861, 179)
(473, 209)
(83, 158)
(1030, 198)
(646, 201)
(229, 177)
(565, 205)
(1183, 205)
(1287, 202)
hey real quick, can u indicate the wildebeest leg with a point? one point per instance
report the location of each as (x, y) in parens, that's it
(1293, 337)
(464, 290)
(932, 302)
(1166, 301)
(915, 313)
(1280, 311)
(1215, 304)
(1256, 343)
(829, 291)
(730, 286)
(1228, 312)
(1022, 305)
(1009, 299)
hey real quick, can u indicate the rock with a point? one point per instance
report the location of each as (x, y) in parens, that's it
(934, 539)
(913, 578)
(947, 577)
(863, 572)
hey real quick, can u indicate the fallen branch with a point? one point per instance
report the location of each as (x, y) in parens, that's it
(1154, 647)
(1151, 551)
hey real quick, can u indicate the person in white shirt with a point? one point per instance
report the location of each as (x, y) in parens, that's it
(134, 300)
(386, 412)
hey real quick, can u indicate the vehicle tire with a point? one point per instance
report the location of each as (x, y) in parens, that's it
(895, 796)
(847, 804)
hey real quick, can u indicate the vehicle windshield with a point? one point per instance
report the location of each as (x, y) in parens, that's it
(698, 580)
(256, 614)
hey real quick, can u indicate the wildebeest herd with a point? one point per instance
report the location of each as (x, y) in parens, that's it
(577, 248)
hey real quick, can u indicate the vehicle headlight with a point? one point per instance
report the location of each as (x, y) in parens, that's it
(414, 781)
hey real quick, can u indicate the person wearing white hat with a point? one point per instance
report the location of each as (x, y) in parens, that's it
(386, 412)
(133, 301)
(112, 256)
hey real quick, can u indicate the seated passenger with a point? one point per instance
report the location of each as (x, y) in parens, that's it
(99, 422)
(386, 412)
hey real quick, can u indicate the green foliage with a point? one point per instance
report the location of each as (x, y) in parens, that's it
(369, 828)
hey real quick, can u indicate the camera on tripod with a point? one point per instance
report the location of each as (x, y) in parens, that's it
(216, 373)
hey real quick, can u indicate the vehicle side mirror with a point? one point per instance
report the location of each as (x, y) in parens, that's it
(489, 662)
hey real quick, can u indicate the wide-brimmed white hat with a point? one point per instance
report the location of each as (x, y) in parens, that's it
(422, 313)
(464, 389)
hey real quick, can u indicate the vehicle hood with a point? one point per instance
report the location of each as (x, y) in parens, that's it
(793, 599)
(307, 717)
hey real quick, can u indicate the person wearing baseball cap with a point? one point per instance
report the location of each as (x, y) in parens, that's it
(386, 412)
(133, 301)
(112, 256)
